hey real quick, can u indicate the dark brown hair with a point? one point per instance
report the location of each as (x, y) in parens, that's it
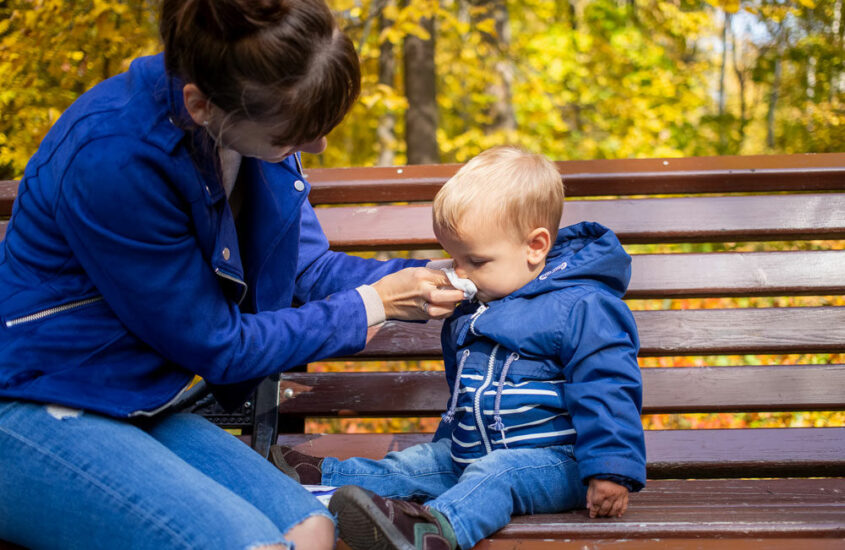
(280, 62)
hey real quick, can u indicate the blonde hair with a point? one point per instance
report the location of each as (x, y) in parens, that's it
(505, 185)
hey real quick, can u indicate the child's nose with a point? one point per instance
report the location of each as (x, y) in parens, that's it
(460, 271)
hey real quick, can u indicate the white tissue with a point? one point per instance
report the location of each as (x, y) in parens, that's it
(461, 284)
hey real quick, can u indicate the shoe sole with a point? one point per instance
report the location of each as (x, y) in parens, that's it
(362, 525)
(278, 459)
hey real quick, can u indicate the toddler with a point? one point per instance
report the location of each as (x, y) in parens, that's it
(544, 413)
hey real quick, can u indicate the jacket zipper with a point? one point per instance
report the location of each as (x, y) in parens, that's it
(220, 273)
(479, 419)
(51, 311)
(163, 407)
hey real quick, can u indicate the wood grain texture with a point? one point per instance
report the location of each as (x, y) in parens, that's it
(671, 332)
(672, 454)
(688, 219)
(730, 174)
(675, 542)
(8, 191)
(665, 390)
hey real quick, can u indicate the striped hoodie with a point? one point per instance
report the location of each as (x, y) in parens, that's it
(553, 363)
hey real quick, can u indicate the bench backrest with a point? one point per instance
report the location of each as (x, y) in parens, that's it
(729, 204)
(721, 201)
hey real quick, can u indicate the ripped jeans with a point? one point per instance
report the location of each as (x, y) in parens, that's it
(72, 479)
(478, 500)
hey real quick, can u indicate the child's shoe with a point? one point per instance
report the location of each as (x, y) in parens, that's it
(369, 522)
(301, 467)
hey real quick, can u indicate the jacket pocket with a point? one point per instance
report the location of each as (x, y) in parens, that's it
(46, 313)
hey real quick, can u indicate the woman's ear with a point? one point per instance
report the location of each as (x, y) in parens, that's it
(198, 105)
(539, 243)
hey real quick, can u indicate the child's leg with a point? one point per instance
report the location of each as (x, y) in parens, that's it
(510, 482)
(422, 471)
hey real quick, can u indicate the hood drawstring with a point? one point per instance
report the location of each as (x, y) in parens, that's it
(498, 425)
(449, 415)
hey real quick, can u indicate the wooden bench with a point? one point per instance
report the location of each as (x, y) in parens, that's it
(779, 488)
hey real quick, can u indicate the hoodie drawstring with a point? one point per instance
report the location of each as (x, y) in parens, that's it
(498, 425)
(450, 414)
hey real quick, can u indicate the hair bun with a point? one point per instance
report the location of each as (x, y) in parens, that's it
(235, 19)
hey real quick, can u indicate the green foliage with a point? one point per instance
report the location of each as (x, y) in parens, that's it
(585, 78)
(51, 51)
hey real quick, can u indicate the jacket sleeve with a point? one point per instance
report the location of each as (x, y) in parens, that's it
(132, 233)
(603, 388)
(321, 271)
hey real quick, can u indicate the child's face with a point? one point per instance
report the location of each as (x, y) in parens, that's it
(496, 259)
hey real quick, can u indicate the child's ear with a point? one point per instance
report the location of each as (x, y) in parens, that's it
(539, 243)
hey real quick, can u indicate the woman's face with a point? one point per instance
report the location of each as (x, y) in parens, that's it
(249, 138)
(253, 139)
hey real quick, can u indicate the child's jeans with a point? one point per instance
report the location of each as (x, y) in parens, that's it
(478, 500)
(72, 479)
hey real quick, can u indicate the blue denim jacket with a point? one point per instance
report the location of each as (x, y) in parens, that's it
(554, 363)
(123, 273)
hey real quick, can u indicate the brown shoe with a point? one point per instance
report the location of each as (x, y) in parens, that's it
(301, 467)
(369, 522)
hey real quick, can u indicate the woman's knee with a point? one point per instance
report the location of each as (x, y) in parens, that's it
(316, 532)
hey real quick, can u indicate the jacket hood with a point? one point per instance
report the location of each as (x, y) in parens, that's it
(584, 253)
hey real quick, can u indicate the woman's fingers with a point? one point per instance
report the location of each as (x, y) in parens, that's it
(417, 293)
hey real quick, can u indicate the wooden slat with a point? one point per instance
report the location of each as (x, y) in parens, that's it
(3, 225)
(728, 174)
(665, 390)
(737, 274)
(8, 190)
(731, 174)
(709, 509)
(665, 333)
(696, 219)
(672, 454)
(808, 542)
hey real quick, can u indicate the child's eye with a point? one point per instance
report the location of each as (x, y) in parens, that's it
(477, 262)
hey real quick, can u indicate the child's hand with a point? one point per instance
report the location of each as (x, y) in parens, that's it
(606, 498)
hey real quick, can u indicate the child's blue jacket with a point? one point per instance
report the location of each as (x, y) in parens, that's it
(122, 274)
(553, 363)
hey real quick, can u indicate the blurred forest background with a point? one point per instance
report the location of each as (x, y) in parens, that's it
(573, 79)
(444, 79)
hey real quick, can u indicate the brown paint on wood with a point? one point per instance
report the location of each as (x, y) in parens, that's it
(671, 332)
(674, 543)
(728, 174)
(687, 219)
(665, 390)
(672, 454)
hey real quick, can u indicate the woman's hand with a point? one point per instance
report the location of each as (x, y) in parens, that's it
(417, 293)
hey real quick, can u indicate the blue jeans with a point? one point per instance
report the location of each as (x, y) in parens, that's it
(75, 479)
(478, 500)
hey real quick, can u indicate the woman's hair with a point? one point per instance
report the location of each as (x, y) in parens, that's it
(279, 62)
(505, 185)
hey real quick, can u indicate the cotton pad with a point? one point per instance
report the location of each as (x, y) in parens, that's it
(461, 284)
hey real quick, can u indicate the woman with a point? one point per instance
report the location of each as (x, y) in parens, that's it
(160, 232)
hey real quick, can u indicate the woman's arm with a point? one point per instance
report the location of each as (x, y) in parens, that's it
(321, 271)
(132, 233)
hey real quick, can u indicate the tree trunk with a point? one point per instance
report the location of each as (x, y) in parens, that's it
(740, 77)
(773, 101)
(501, 113)
(421, 116)
(386, 129)
(722, 92)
